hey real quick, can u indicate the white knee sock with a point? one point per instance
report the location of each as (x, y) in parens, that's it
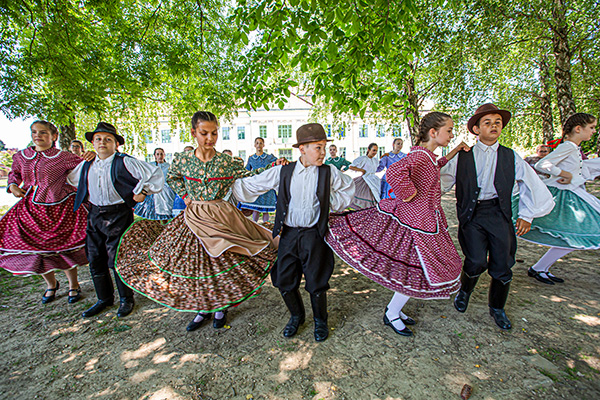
(200, 317)
(395, 309)
(551, 256)
(255, 216)
(219, 315)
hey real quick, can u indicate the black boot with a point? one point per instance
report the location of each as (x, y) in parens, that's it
(104, 291)
(467, 284)
(497, 300)
(319, 307)
(125, 295)
(293, 301)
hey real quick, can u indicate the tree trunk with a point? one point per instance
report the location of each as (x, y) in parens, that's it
(67, 134)
(412, 113)
(562, 54)
(546, 99)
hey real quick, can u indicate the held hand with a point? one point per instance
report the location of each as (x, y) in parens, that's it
(522, 227)
(187, 201)
(88, 156)
(409, 198)
(282, 161)
(17, 191)
(462, 146)
(138, 198)
(565, 177)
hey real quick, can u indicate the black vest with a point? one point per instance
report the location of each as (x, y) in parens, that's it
(467, 190)
(122, 180)
(283, 197)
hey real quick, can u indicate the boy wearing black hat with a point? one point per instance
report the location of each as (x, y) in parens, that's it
(485, 177)
(113, 183)
(307, 189)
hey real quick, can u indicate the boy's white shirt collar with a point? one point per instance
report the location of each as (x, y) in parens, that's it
(485, 147)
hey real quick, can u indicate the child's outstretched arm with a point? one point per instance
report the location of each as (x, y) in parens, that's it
(461, 146)
(535, 200)
(248, 189)
(342, 190)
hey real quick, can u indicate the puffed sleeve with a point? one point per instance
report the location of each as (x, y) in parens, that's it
(341, 190)
(359, 162)
(15, 176)
(590, 169)
(448, 174)
(547, 164)
(248, 189)
(535, 200)
(175, 177)
(382, 164)
(151, 178)
(398, 176)
(75, 174)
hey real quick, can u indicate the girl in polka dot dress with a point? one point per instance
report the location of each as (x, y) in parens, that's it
(41, 233)
(403, 243)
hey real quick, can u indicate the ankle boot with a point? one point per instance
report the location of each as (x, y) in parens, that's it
(294, 303)
(125, 296)
(319, 307)
(467, 284)
(104, 291)
(497, 300)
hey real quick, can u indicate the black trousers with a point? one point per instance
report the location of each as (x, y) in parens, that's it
(488, 242)
(302, 251)
(106, 225)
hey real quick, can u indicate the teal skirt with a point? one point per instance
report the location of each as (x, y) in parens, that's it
(571, 224)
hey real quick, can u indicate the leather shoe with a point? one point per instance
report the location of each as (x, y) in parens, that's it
(49, 299)
(403, 332)
(219, 323)
(406, 321)
(76, 298)
(293, 325)
(555, 278)
(125, 308)
(192, 326)
(537, 275)
(461, 301)
(321, 329)
(500, 318)
(96, 308)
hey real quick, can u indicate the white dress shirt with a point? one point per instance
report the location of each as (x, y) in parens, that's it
(304, 210)
(100, 187)
(535, 200)
(567, 157)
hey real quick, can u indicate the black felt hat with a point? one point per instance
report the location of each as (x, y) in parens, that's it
(105, 127)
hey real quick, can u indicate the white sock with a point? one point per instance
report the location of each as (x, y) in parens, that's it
(551, 256)
(200, 317)
(255, 216)
(265, 217)
(219, 315)
(395, 310)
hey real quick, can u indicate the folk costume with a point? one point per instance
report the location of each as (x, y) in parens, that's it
(41, 233)
(574, 223)
(484, 178)
(158, 206)
(110, 185)
(386, 191)
(264, 203)
(208, 258)
(339, 162)
(368, 186)
(305, 196)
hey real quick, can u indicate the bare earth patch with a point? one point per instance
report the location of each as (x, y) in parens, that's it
(552, 352)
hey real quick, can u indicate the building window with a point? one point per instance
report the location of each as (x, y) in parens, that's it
(342, 132)
(242, 154)
(225, 133)
(169, 158)
(381, 151)
(343, 152)
(262, 131)
(241, 132)
(328, 130)
(396, 130)
(284, 131)
(150, 158)
(287, 153)
(363, 131)
(380, 131)
(363, 151)
(148, 136)
(165, 134)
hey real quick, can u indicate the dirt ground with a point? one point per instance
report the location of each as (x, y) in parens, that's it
(552, 352)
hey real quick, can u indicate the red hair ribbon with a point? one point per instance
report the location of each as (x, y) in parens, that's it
(553, 143)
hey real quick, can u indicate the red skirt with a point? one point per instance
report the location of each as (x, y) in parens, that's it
(404, 260)
(37, 238)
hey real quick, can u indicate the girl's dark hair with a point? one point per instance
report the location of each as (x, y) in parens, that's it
(395, 140)
(433, 120)
(577, 119)
(48, 125)
(158, 148)
(79, 142)
(371, 146)
(203, 116)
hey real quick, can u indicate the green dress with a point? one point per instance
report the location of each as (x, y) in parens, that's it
(208, 258)
(339, 162)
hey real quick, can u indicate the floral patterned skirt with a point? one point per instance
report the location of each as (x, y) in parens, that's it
(424, 266)
(36, 238)
(172, 264)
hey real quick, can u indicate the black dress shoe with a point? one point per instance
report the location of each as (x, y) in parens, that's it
(461, 301)
(293, 325)
(536, 274)
(96, 308)
(192, 326)
(321, 330)
(555, 278)
(403, 332)
(219, 323)
(406, 321)
(49, 299)
(500, 318)
(76, 298)
(125, 308)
